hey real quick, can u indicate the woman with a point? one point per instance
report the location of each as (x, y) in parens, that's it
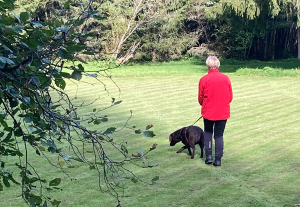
(214, 95)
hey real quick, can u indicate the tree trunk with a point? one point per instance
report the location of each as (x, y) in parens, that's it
(153, 54)
(273, 52)
(298, 41)
(266, 46)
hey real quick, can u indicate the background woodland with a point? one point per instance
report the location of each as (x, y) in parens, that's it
(171, 29)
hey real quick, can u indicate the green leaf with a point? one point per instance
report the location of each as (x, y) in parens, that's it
(7, 138)
(13, 92)
(17, 17)
(99, 17)
(37, 24)
(45, 204)
(76, 75)
(77, 159)
(32, 43)
(55, 182)
(103, 119)
(35, 80)
(9, 3)
(15, 111)
(45, 60)
(7, 49)
(32, 201)
(13, 103)
(33, 179)
(110, 130)
(26, 179)
(10, 177)
(81, 67)
(116, 103)
(97, 121)
(56, 203)
(63, 54)
(7, 128)
(65, 75)
(38, 200)
(88, 53)
(138, 131)
(1, 186)
(152, 165)
(124, 149)
(18, 132)
(60, 83)
(67, 4)
(6, 60)
(55, 106)
(90, 151)
(41, 148)
(5, 182)
(76, 48)
(61, 163)
(18, 28)
(2, 116)
(148, 134)
(26, 100)
(134, 180)
(156, 178)
(24, 16)
(149, 126)
(142, 151)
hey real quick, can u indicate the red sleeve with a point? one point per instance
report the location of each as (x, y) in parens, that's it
(230, 92)
(200, 92)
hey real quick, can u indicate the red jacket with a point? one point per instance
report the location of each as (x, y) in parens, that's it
(215, 95)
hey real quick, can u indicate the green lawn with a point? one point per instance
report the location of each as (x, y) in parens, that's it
(261, 163)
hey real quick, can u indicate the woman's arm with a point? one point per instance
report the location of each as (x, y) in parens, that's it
(200, 92)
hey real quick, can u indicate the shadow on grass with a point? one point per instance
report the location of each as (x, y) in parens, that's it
(231, 65)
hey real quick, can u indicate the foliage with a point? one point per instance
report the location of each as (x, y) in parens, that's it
(167, 30)
(254, 29)
(166, 37)
(37, 59)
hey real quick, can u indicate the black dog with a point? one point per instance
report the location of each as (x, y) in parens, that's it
(189, 136)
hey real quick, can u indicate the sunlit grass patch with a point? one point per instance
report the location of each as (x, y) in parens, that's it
(261, 163)
(268, 71)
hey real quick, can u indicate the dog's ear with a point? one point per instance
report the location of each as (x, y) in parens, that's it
(171, 137)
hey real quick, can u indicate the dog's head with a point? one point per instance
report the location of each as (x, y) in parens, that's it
(175, 137)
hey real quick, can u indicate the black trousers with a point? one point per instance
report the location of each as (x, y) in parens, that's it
(215, 127)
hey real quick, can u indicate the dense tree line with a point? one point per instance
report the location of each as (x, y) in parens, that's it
(169, 29)
(265, 29)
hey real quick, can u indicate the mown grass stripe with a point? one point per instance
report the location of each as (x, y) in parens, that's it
(260, 166)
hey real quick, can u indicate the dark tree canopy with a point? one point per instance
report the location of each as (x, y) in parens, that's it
(38, 56)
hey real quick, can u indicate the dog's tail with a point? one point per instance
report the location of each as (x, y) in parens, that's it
(202, 136)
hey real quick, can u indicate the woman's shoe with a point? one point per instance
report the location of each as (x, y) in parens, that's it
(217, 163)
(208, 159)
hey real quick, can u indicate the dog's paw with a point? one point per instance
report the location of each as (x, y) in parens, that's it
(180, 150)
(192, 157)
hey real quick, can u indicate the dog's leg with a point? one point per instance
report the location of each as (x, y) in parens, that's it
(190, 153)
(201, 147)
(181, 149)
(193, 155)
